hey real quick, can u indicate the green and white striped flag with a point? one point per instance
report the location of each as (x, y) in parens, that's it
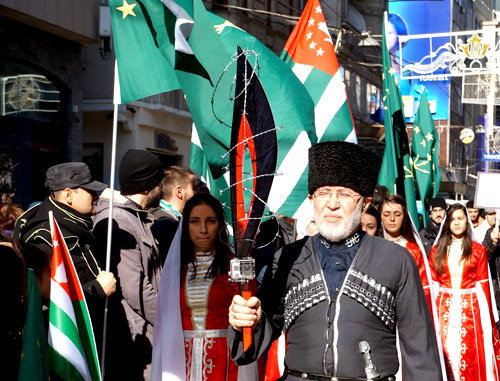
(310, 53)
(72, 349)
(214, 40)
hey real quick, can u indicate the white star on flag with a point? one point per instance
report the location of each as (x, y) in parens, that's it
(319, 52)
(311, 21)
(56, 243)
(318, 9)
(312, 45)
(309, 35)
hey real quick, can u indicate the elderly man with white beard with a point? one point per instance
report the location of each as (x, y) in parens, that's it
(342, 296)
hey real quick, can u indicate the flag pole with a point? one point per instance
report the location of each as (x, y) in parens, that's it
(116, 102)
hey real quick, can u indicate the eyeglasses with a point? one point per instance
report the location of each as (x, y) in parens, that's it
(342, 195)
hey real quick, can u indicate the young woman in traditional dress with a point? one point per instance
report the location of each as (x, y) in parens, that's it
(191, 317)
(459, 268)
(398, 229)
(205, 292)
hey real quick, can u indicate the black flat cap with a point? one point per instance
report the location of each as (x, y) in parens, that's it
(339, 163)
(71, 175)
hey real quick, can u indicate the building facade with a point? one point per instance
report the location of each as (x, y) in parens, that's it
(57, 66)
(41, 91)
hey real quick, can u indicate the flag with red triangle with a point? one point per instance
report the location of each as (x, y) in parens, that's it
(72, 348)
(311, 54)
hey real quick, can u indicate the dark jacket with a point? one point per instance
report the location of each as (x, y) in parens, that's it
(164, 228)
(273, 234)
(493, 257)
(428, 236)
(33, 228)
(135, 261)
(13, 281)
(382, 287)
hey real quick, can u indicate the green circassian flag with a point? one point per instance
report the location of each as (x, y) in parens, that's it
(186, 26)
(310, 53)
(34, 359)
(425, 155)
(142, 69)
(396, 172)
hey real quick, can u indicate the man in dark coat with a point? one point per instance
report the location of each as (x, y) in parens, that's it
(428, 234)
(341, 290)
(73, 198)
(136, 261)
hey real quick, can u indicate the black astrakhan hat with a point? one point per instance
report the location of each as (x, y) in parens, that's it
(339, 163)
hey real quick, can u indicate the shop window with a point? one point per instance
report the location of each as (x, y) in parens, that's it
(34, 122)
(29, 95)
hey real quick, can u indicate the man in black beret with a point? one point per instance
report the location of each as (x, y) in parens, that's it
(135, 258)
(341, 291)
(437, 208)
(73, 197)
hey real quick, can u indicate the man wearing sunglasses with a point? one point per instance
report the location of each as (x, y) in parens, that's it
(73, 195)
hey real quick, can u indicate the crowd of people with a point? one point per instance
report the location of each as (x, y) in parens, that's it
(361, 296)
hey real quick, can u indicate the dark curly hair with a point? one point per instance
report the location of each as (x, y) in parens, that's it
(222, 246)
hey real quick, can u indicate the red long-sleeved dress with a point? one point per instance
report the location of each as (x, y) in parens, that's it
(468, 330)
(204, 309)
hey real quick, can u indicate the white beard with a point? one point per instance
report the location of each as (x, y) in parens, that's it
(342, 230)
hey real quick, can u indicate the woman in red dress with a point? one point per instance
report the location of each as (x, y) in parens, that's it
(397, 227)
(205, 292)
(459, 268)
(192, 306)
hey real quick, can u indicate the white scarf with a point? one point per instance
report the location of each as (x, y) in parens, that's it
(169, 359)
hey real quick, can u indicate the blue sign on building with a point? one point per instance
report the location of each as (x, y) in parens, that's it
(491, 156)
(409, 17)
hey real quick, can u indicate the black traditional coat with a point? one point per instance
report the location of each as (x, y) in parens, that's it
(382, 291)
